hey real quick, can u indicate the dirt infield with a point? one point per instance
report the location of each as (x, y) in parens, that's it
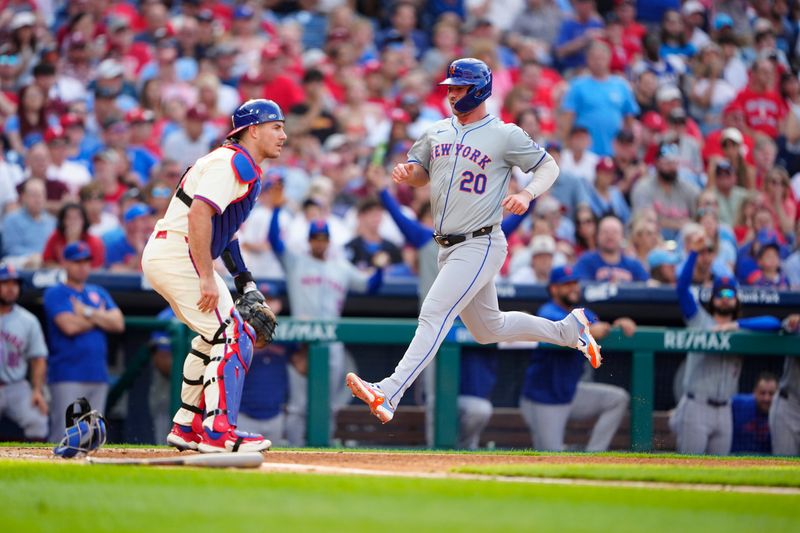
(409, 462)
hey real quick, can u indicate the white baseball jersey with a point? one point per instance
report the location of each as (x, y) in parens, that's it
(470, 167)
(211, 180)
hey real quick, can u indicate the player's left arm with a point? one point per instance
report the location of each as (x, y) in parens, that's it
(242, 278)
(524, 153)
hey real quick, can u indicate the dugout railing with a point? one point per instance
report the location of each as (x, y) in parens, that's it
(643, 346)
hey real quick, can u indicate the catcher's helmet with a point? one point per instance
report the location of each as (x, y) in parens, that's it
(254, 112)
(473, 73)
(85, 433)
(8, 272)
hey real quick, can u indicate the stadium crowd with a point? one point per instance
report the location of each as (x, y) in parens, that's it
(669, 120)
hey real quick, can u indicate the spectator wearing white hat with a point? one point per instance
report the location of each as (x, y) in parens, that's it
(537, 271)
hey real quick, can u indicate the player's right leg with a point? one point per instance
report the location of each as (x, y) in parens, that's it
(488, 324)
(784, 426)
(473, 416)
(21, 410)
(606, 402)
(546, 422)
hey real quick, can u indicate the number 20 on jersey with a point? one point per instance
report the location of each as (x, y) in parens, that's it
(473, 183)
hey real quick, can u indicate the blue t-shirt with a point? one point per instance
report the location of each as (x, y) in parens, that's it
(81, 357)
(600, 106)
(478, 372)
(118, 249)
(266, 386)
(552, 376)
(591, 266)
(570, 30)
(750, 426)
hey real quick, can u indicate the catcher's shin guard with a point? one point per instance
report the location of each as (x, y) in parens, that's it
(194, 367)
(224, 377)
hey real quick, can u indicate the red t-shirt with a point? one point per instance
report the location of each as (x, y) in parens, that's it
(54, 249)
(762, 111)
(284, 91)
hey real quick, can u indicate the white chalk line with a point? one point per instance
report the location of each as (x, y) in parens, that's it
(702, 487)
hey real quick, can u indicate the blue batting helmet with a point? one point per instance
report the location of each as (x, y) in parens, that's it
(254, 112)
(473, 73)
(8, 272)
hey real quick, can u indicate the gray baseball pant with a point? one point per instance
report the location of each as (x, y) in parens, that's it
(784, 425)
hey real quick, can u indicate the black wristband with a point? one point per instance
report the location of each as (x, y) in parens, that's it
(241, 280)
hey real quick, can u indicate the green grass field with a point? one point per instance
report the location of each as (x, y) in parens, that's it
(58, 496)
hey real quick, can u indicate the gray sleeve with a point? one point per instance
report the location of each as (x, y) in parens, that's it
(522, 151)
(701, 319)
(357, 280)
(37, 347)
(421, 152)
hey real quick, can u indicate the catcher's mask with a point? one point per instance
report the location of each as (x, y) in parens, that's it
(86, 430)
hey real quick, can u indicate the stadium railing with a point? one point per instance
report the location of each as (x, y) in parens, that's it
(643, 345)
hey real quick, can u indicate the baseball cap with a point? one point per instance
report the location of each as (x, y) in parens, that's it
(691, 7)
(653, 121)
(243, 12)
(547, 204)
(197, 112)
(722, 20)
(659, 257)
(543, 244)
(399, 115)
(723, 165)
(22, 19)
(137, 115)
(135, 211)
(77, 251)
(252, 77)
(270, 51)
(71, 119)
(108, 155)
(318, 227)
(605, 163)
(54, 133)
(723, 283)
(109, 68)
(561, 275)
(732, 134)
(667, 93)
(75, 40)
(677, 116)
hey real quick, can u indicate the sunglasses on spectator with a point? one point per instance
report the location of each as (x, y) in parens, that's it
(707, 250)
(161, 192)
(726, 293)
(585, 221)
(10, 60)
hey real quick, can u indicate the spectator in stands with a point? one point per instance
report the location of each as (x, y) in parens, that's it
(577, 159)
(702, 420)
(673, 198)
(116, 134)
(764, 109)
(690, 162)
(23, 346)
(644, 238)
(675, 38)
(570, 190)
(777, 197)
(542, 21)
(317, 285)
(192, 141)
(27, 127)
(585, 230)
(368, 243)
(37, 161)
(553, 391)
(669, 98)
(93, 202)
(10, 176)
(79, 315)
(730, 196)
(769, 272)
(72, 174)
(403, 30)
(124, 246)
(785, 411)
(107, 165)
(791, 265)
(25, 231)
(601, 102)
(143, 132)
(157, 194)
(662, 266)
(709, 93)
(604, 197)
(751, 417)
(537, 271)
(72, 226)
(576, 36)
(609, 263)
(279, 86)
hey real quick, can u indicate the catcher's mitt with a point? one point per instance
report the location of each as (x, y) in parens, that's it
(258, 314)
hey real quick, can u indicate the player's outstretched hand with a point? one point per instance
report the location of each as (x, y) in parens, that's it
(209, 295)
(517, 203)
(402, 172)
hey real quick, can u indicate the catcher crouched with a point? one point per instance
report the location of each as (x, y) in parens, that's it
(213, 198)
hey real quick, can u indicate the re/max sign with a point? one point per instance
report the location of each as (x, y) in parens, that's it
(696, 340)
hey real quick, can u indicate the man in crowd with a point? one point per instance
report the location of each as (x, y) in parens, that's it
(609, 262)
(26, 230)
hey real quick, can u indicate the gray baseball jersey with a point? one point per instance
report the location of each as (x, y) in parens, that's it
(22, 339)
(710, 376)
(470, 167)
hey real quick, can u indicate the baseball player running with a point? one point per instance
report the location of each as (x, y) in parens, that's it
(467, 159)
(212, 200)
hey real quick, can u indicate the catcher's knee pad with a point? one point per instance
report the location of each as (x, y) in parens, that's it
(228, 378)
